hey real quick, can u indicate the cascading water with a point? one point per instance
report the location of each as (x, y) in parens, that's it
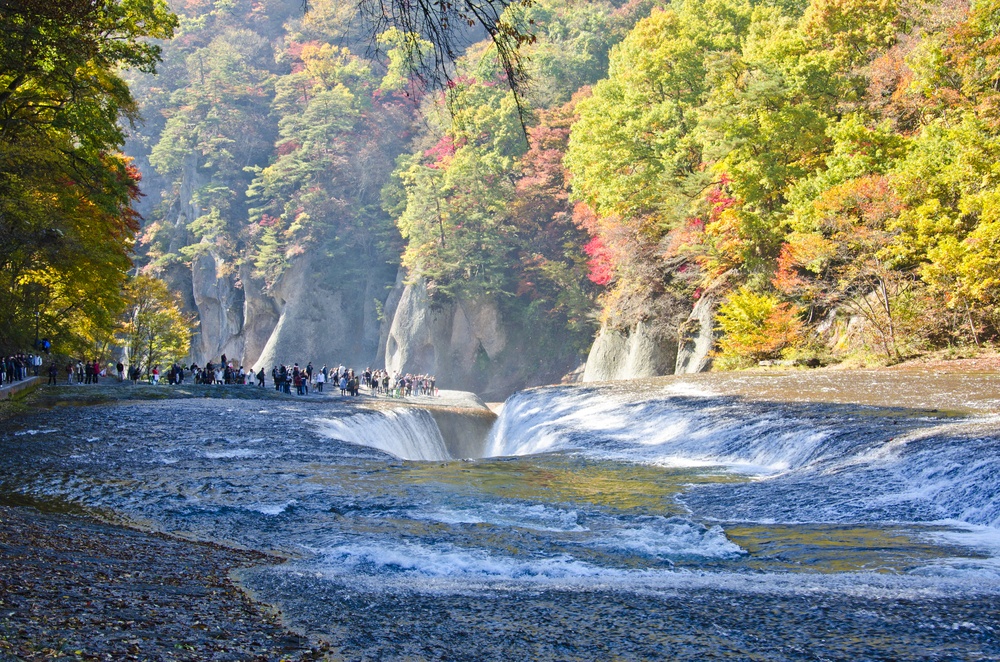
(671, 430)
(409, 434)
(895, 465)
(668, 522)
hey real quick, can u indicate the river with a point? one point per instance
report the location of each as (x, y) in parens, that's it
(810, 516)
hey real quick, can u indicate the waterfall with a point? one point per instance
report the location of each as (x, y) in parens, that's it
(668, 429)
(819, 461)
(409, 434)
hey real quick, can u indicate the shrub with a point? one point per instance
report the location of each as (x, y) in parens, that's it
(755, 326)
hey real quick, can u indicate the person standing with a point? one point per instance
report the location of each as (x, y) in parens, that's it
(53, 373)
(283, 379)
(120, 369)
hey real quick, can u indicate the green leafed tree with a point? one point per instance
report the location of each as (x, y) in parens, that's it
(66, 224)
(153, 329)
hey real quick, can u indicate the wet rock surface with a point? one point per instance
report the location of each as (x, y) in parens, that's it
(795, 515)
(75, 587)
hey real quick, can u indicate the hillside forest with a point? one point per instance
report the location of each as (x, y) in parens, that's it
(822, 175)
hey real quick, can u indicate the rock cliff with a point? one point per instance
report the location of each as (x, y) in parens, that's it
(305, 316)
(310, 314)
(696, 336)
(459, 341)
(468, 343)
(317, 320)
(629, 355)
(220, 309)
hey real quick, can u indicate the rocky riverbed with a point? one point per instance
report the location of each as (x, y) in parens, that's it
(74, 587)
(77, 583)
(759, 515)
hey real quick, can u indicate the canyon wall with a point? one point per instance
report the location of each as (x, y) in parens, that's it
(467, 343)
(630, 355)
(311, 313)
(642, 352)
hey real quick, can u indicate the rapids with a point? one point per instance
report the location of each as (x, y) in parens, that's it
(739, 517)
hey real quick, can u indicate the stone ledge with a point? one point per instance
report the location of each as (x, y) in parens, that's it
(8, 391)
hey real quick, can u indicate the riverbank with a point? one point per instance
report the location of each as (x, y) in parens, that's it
(76, 588)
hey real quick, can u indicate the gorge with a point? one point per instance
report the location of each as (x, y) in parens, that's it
(626, 225)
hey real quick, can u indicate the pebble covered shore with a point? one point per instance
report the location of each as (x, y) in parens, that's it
(75, 588)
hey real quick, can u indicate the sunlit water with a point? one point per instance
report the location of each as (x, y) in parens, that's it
(611, 525)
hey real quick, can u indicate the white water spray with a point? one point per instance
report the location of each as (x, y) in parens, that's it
(409, 434)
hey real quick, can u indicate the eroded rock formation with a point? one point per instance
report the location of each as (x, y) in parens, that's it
(696, 337)
(640, 352)
(460, 340)
(317, 320)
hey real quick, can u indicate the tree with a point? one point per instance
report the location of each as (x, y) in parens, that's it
(843, 255)
(451, 27)
(637, 159)
(455, 195)
(153, 329)
(66, 224)
(755, 326)
(338, 136)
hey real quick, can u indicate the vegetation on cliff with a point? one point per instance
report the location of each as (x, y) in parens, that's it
(825, 169)
(836, 156)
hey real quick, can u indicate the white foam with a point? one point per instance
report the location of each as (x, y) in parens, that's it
(664, 432)
(665, 539)
(21, 433)
(448, 569)
(688, 389)
(271, 508)
(535, 517)
(985, 539)
(445, 560)
(231, 454)
(409, 434)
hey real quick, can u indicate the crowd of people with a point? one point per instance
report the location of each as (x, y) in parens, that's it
(376, 382)
(284, 378)
(17, 367)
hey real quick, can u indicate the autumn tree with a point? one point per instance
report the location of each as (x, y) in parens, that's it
(66, 224)
(153, 329)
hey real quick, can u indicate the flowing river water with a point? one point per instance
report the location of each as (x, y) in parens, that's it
(803, 516)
